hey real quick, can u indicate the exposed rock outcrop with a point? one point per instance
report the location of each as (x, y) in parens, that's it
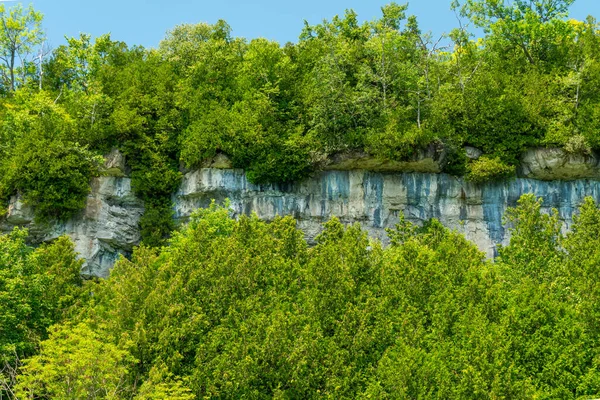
(429, 159)
(376, 200)
(106, 228)
(109, 224)
(473, 153)
(220, 161)
(557, 164)
(115, 164)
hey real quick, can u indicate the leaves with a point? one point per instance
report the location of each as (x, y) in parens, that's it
(20, 33)
(240, 308)
(37, 288)
(235, 308)
(75, 363)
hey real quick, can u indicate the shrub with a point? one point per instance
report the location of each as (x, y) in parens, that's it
(398, 141)
(456, 162)
(489, 169)
(578, 144)
(53, 176)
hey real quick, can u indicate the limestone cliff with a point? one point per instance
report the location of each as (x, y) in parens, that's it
(108, 226)
(376, 200)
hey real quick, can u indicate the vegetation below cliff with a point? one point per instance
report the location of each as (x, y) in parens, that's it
(383, 87)
(244, 309)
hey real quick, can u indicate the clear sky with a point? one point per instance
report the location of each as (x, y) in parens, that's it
(145, 22)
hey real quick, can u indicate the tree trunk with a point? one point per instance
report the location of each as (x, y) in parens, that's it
(12, 70)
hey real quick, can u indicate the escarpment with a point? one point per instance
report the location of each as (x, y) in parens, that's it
(109, 224)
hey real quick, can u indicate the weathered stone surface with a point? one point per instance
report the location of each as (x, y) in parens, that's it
(429, 160)
(114, 164)
(376, 200)
(473, 153)
(557, 164)
(106, 228)
(18, 212)
(220, 161)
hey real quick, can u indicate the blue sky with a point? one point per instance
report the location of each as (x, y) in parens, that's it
(145, 22)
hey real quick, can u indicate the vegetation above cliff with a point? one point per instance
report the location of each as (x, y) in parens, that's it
(245, 309)
(383, 86)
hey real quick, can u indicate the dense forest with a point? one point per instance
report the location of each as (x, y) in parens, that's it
(244, 309)
(230, 308)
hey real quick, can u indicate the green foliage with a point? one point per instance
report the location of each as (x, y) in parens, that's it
(545, 295)
(36, 288)
(44, 163)
(287, 162)
(161, 386)
(530, 28)
(383, 86)
(54, 178)
(534, 237)
(157, 222)
(74, 363)
(398, 142)
(21, 32)
(456, 162)
(486, 169)
(242, 308)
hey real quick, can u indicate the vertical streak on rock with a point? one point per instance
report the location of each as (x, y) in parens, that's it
(494, 204)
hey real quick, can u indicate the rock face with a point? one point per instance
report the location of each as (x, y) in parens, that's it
(473, 153)
(115, 164)
(429, 159)
(553, 164)
(106, 228)
(109, 224)
(376, 200)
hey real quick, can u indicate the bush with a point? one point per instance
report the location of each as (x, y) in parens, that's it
(156, 223)
(37, 287)
(287, 162)
(398, 141)
(487, 169)
(456, 162)
(41, 157)
(72, 352)
(53, 177)
(578, 144)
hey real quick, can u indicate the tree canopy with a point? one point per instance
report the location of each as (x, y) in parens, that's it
(242, 308)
